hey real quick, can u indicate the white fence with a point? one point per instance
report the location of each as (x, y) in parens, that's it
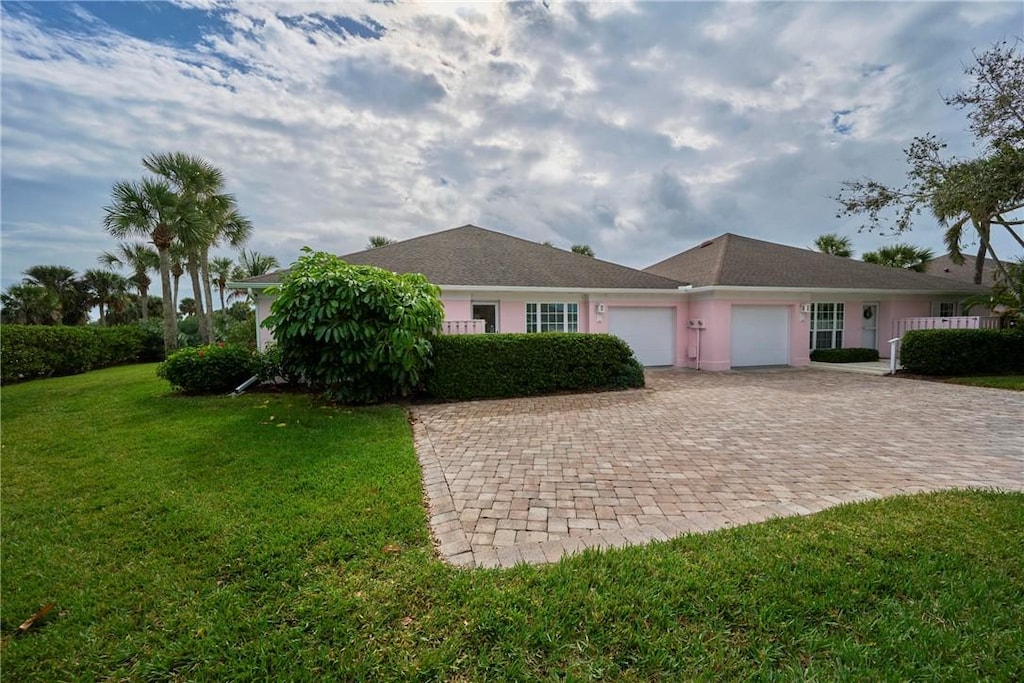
(463, 327)
(962, 322)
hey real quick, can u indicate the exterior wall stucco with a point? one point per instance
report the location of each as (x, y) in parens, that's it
(706, 349)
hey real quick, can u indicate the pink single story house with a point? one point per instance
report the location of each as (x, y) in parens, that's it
(730, 302)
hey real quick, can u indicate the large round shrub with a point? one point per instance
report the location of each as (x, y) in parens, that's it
(359, 333)
(210, 369)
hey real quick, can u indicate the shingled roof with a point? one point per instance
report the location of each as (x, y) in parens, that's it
(474, 256)
(731, 260)
(943, 266)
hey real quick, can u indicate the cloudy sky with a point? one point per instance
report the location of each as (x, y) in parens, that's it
(638, 128)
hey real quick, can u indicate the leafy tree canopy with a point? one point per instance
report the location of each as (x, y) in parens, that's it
(377, 241)
(901, 256)
(362, 334)
(973, 194)
(834, 244)
(582, 250)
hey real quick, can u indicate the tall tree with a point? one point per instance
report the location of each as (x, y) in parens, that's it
(253, 264)
(835, 244)
(28, 304)
(149, 208)
(199, 186)
(377, 241)
(178, 257)
(230, 227)
(995, 102)
(220, 273)
(141, 261)
(974, 194)
(62, 282)
(188, 306)
(582, 250)
(105, 288)
(905, 256)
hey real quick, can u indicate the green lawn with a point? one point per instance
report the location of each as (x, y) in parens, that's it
(1014, 382)
(272, 538)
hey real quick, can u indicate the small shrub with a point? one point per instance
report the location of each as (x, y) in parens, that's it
(358, 333)
(210, 369)
(33, 351)
(503, 365)
(963, 352)
(853, 355)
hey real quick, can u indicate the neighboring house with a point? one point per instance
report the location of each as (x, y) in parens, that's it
(730, 302)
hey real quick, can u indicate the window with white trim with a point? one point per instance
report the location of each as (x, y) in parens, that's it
(947, 309)
(827, 325)
(552, 317)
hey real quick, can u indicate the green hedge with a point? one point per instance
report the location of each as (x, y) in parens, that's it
(853, 355)
(963, 352)
(33, 351)
(210, 369)
(502, 365)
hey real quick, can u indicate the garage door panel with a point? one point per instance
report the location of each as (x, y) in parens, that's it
(759, 336)
(649, 331)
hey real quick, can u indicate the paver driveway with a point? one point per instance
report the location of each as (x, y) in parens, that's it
(532, 479)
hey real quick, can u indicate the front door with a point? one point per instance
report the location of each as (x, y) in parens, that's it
(869, 327)
(489, 314)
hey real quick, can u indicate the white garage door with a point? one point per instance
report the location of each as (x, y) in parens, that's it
(650, 332)
(760, 335)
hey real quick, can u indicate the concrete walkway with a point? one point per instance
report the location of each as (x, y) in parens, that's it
(530, 480)
(878, 367)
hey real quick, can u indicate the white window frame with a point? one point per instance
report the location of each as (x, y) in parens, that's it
(552, 316)
(954, 305)
(835, 324)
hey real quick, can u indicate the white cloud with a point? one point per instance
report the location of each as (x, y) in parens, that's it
(638, 128)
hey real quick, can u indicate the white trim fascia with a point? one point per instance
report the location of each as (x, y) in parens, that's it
(713, 289)
(545, 290)
(682, 289)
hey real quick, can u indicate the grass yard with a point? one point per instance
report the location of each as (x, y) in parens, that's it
(1012, 382)
(268, 537)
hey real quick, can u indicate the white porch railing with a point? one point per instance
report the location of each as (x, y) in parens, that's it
(961, 322)
(463, 327)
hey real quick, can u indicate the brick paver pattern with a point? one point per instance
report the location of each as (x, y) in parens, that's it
(533, 479)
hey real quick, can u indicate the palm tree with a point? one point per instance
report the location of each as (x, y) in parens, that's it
(178, 258)
(59, 281)
(228, 226)
(220, 269)
(905, 256)
(582, 250)
(188, 306)
(27, 304)
(834, 244)
(141, 260)
(149, 208)
(199, 185)
(377, 241)
(979, 193)
(106, 288)
(253, 264)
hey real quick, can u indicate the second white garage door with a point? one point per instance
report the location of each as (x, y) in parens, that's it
(759, 336)
(650, 332)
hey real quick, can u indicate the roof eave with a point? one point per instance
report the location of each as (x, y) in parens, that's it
(829, 290)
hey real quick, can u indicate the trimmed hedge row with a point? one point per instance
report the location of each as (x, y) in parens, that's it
(853, 355)
(503, 365)
(963, 352)
(33, 351)
(210, 369)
